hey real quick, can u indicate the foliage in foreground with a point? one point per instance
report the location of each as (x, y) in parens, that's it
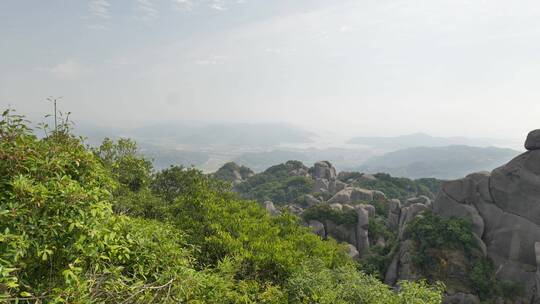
(176, 236)
(436, 238)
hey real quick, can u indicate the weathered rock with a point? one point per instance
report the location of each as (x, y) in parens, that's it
(515, 187)
(533, 140)
(422, 199)
(401, 266)
(352, 195)
(352, 252)
(461, 298)
(537, 275)
(341, 233)
(310, 200)
(336, 206)
(447, 207)
(394, 211)
(334, 186)
(407, 214)
(324, 169)
(347, 207)
(269, 206)
(369, 208)
(362, 236)
(378, 195)
(321, 185)
(295, 209)
(234, 173)
(504, 207)
(317, 228)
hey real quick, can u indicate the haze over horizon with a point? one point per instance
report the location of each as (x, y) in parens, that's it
(355, 68)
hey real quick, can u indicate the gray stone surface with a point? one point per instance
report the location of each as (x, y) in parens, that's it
(533, 140)
(352, 195)
(317, 228)
(321, 185)
(504, 207)
(353, 252)
(461, 298)
(310, 200)
(362, 236)
(269, 206)
(324, 169)
(394, 211)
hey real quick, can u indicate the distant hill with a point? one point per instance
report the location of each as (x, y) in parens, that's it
(259, 161)
(242, 134)
(164, 157)
(418, 140)
(446, 162)
(342, 159)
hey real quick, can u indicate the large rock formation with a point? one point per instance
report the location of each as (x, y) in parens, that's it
(323, 169)
(355, 194)
(398, 217)
(325, 177)
(504, 207)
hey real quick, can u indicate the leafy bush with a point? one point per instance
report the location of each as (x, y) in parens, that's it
(431, 231)
(345, 285)
(323, 212)
(400, 187)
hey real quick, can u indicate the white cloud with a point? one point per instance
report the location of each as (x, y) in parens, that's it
(217, 5)
(69, 69)
(147, 10)
(213, 60)
(99, 8)
(97, 27)
(184, 5)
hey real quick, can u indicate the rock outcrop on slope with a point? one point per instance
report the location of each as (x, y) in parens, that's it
(325, 178)
(504, 208)
(234, 173)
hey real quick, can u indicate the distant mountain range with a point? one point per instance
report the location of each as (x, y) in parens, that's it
(343, 159)
(446, 162)
(232, 134)
(420, 140)
(259, 146)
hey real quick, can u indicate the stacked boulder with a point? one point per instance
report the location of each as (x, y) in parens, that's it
(325, 177)
(357, 236)
(399, 215)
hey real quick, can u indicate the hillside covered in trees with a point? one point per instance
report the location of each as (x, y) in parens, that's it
(99, 225)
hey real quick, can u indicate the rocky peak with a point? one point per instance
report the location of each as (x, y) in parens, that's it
(533, 140)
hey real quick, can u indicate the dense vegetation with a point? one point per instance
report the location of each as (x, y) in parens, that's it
(395, 187)
(100, 226)
(440, 242)
(276, 184)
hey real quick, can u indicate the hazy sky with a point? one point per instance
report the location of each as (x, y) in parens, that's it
(364, 67)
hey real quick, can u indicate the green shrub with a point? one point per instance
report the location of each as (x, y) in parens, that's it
(323, 212)
(433, 232)
(400, 187)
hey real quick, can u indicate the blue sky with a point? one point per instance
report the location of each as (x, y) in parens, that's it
(371, 67)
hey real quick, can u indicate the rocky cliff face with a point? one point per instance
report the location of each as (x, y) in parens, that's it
(504, 207)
